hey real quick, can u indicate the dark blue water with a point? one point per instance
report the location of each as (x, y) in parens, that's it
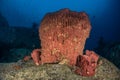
(104, 16)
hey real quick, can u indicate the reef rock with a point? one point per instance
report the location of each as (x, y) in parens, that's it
(63, 35)
(111, 51)
(28, 71)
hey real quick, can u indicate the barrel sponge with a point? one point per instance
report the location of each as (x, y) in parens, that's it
(63, 35)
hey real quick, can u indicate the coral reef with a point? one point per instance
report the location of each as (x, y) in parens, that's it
(63, 35)
(28, 71)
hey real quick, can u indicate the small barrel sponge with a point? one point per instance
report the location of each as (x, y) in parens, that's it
(63, 35)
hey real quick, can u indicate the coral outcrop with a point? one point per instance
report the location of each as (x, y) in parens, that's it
(63, 35)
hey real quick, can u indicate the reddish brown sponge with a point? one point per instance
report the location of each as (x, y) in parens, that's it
(86, 64)
(63, 35)
(36, 53)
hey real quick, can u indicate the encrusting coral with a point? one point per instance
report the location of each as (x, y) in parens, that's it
(63, 35)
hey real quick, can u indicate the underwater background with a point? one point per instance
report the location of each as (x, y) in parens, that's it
(20, 19)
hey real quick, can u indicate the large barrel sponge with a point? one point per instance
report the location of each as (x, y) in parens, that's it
(63, 35)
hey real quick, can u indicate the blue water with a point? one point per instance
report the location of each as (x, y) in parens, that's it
(104, 16)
